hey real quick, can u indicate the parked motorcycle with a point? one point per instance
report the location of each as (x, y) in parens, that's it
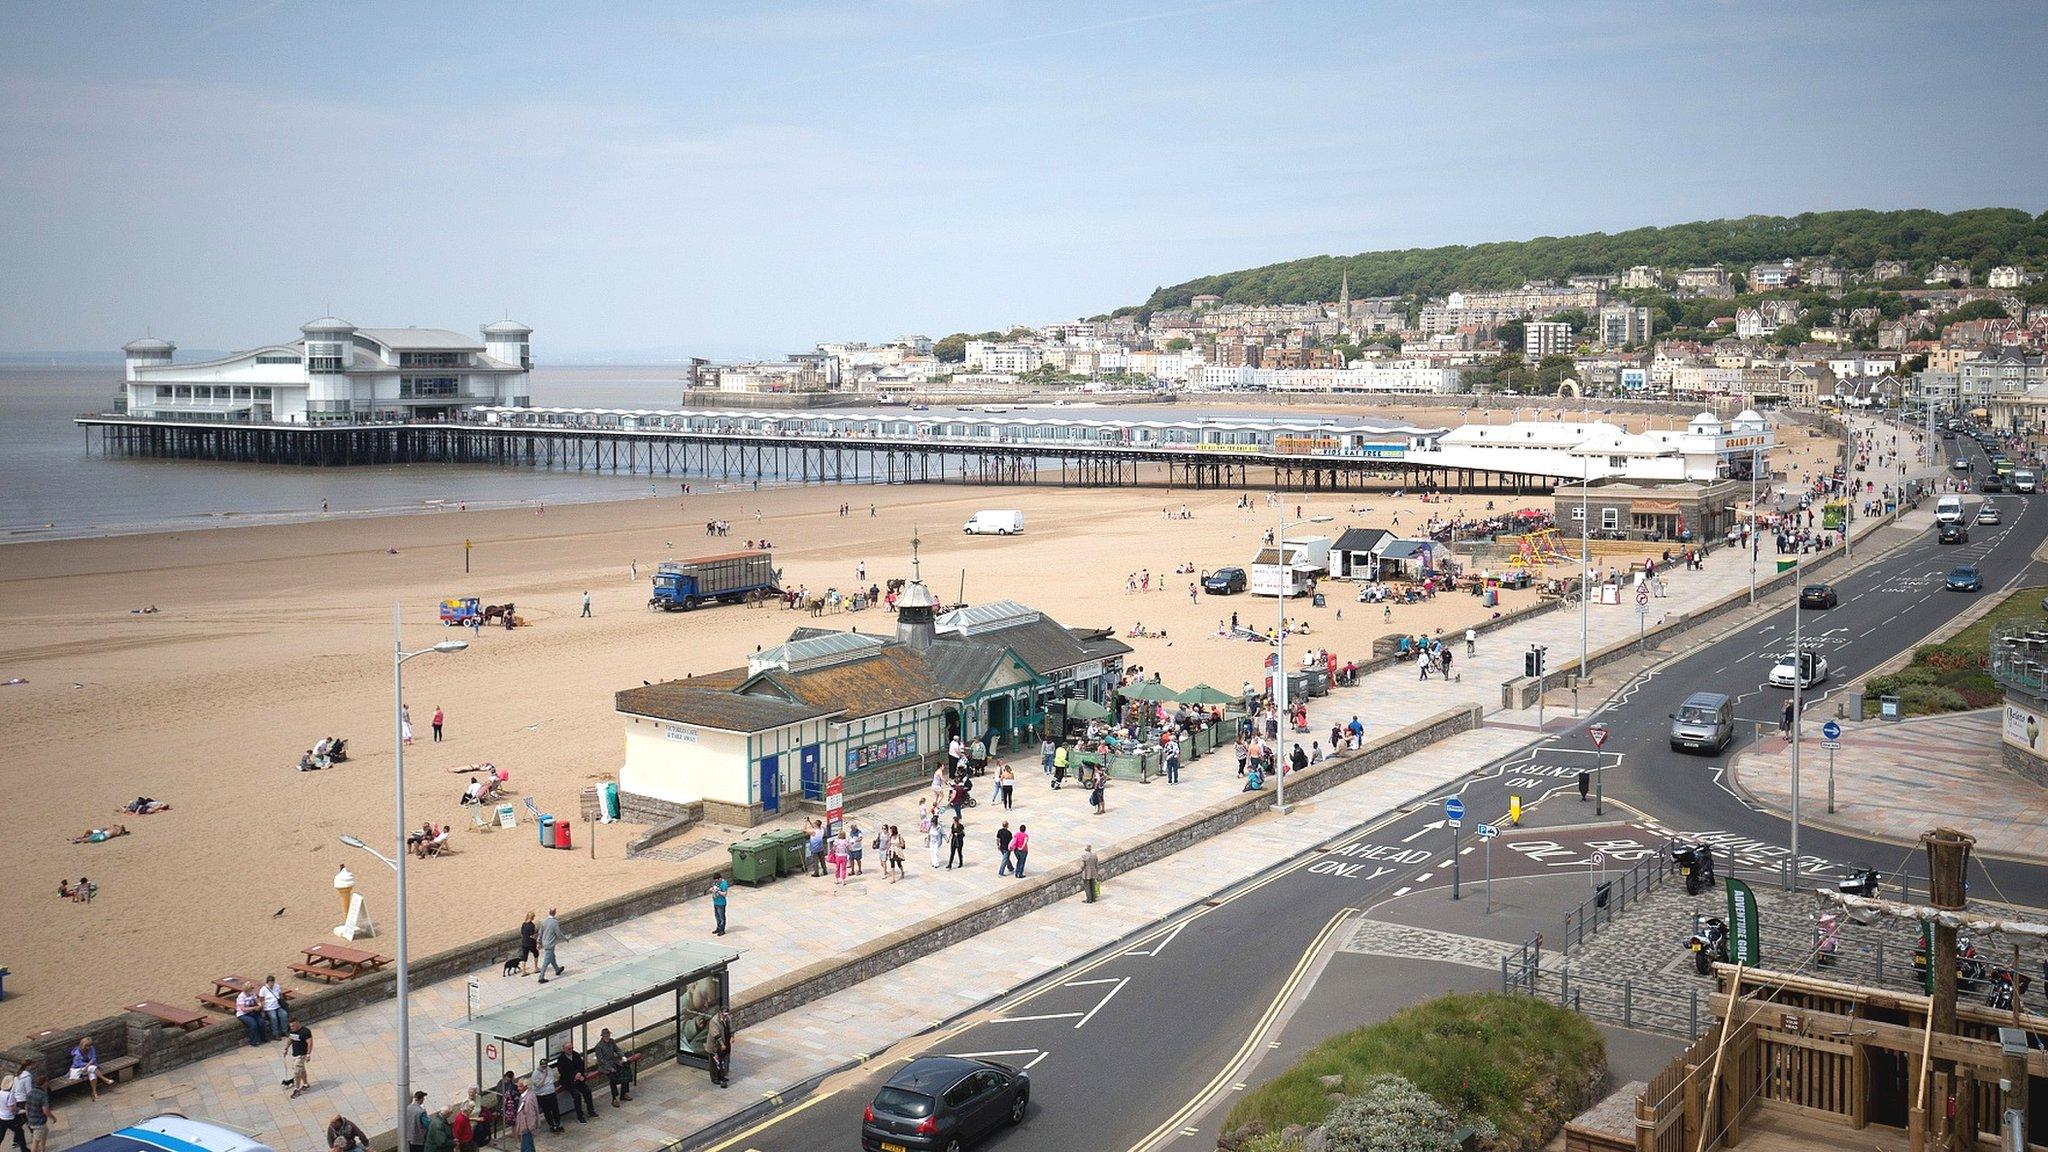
(1708, 945)
(1696, 863)
(2006, 987)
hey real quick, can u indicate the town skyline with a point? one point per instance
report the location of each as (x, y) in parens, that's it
(755, 183)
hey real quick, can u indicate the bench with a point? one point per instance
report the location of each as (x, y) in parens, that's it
(324, 974)
(111, 1071)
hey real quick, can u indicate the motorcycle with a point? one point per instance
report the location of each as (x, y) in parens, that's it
(1696, 863)
(1972, 974)
(2006, 987)
(1861, 882)
(1708, 945)
(1826, 927)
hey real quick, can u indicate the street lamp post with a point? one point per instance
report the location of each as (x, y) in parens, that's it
(397, 862)
(1754, 463)
(1280, 761)
(1585, 559)
(1798, 708)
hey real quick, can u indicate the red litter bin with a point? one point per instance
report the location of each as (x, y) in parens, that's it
(561, 833)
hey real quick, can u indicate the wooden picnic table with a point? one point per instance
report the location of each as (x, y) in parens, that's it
(225, 989)
(175, 1017)
(338, 962)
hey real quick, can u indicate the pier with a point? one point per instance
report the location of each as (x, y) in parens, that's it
(819, 448)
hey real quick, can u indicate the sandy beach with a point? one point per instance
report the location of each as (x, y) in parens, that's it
(267, 638)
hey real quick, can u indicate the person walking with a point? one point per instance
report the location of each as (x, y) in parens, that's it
(440, 1134)
(1059, 767)
(298, 1049)
(1091, 874)
(526, 1119)
(1003, 836)
(405, 724)
(572, 1075)
(1471, 640)
(814, 847)
(586, 605)
(270, 998)
(10, 1116)
(1046, 750)
(1244, 753)
(855, 849)
(838, 853)
(1020, 847)
(529, 942)
(550, 937)
(436, 722)
(935, 838)
(1006, 782)
(416, 1123)
(1095, 794)
(959, 840)
(719, 1045)
(544, 1091)
(616, 1066)
(895, 858)
(32, 1104)
(719, 887)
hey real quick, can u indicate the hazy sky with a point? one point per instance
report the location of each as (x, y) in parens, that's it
(733, 176)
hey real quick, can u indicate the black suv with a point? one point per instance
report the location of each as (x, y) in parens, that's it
(1224, 581)
(1952, 534)
(944, 1102)
(1818, 596)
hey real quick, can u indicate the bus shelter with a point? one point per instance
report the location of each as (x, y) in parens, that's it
(657, 1004)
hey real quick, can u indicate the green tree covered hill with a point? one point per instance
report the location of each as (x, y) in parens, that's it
(1853, 240)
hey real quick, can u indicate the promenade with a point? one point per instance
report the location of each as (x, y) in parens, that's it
(799, 921)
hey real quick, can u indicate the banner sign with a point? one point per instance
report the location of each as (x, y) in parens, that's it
(1744, 946)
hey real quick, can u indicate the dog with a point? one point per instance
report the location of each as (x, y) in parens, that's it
(511, 967)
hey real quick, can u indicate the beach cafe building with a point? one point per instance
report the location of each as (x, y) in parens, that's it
(873, 711)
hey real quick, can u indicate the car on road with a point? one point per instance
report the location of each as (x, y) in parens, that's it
(170, 1130)
(1988, 514)
(1961, 465)
(1992, 482)
(1818, 596)
(1964, 579)
(1704, 723)
(1810, 668)
(1224, 581)
(1952, 534)
(944, 1102)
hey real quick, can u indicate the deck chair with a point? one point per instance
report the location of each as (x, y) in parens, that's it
(533, 809)
(481, 817)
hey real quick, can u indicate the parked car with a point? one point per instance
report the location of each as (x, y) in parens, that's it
(1988, 514)
(1818, 596)
(1965, 579)
(1813, 665)
(1224, 581)
(1952, 534)
(944, 1102)
(168, 1130)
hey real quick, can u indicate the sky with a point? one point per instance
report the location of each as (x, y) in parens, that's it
(641, 181)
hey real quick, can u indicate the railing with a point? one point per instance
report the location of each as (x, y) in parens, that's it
(1652, 1006)
(1613, 896)
(2019, 655)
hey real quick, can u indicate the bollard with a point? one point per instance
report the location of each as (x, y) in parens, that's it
(1564, 984)
(1628, 1002)
(1692, 1027)
(1504, 989)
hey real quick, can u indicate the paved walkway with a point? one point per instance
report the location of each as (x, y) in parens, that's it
(796, 922)
(1897, 779)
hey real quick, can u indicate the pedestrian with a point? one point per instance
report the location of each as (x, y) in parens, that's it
(550, 936)
(10, 1116)
(529, 942)
(719, 887)
(616, 1066)
(854, 849)
(1243, 753)
(440, 1133)
(1059, 767)
(719, 1044)
(1047, 749)
(586, 604)
(405, 724)
(461, 1128)
(416, 1123)
(32, 1104)
(298, 1049)
(572, 1075)
(1006, 782)
(1091, 874)
(1095, 792)
(814, 846)
(343, 1135)
(895, 858)
(959, 798)
(935, 838)
(527, 1118)
(436, 722)
(1173, 762)
(544, 1092)
(1785, 720)
(1003, 836)
(270, 998)
(1020, 847)
(839, 857)
(249, 1010)
(1299, 759)
(958, 837)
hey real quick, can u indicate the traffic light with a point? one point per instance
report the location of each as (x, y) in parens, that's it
(1532, 663)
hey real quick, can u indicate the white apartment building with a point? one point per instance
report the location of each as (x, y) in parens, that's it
(1702, 380)
(1642, 276)
(1003, 356)
(2006, 276)
(1623, 324)
(1542, 338)
(335, 372)
(1394, 376)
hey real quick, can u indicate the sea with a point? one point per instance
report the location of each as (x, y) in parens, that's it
(52, 489)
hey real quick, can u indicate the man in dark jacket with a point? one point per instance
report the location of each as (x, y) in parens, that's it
(570, 1071)
(1003, 848)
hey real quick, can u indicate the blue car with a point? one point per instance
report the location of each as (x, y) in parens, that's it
(1965, 579)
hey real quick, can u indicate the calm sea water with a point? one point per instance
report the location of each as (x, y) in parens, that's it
(51, 489)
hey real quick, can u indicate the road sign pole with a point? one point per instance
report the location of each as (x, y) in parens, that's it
(1599, 790)
(1454, 861)
(1831, 780)
(1487, 847)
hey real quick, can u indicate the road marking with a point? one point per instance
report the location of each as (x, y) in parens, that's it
(1087, 983)
(997, 1052)
(1236, 1063)
(1102, 1002)
(1424, 878)
(1029, 1019)
(1160, 946)
(771, 1122)
(1035, 1060)
(1402, 891)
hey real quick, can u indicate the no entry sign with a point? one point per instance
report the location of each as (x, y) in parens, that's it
(1599, 734)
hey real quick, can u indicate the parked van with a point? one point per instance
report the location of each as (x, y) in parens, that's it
(995, 523)
(1704, 723)
(1949, 510)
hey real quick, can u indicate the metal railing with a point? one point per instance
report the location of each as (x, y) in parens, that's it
(1651, 1005)
(1611, 897)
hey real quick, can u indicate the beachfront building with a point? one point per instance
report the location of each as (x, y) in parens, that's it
(1707, 448)
(335, 372)
(874, 712)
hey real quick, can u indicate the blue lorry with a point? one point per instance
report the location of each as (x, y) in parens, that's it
(681, 585)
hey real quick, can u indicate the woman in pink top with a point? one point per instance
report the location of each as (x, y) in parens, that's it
(1020, 846)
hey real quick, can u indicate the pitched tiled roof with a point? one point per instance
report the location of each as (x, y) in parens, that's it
(894, 677)
(710, 702)
(1047, 646)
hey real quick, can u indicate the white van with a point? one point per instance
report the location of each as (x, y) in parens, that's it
(995, 523)
(1949, 510)
(170, 1131)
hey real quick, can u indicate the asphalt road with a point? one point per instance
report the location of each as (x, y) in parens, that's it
(1130, 1049)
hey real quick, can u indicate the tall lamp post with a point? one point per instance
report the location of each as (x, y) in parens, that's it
(398, 658)
(1280, 762)
(1798, 710)
(1585, 559)
(1754, 464)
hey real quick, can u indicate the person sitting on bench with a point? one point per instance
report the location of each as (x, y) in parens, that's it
(85, 1064)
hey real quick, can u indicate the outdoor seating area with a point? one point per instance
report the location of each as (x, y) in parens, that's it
(182, 1019)
(337, 963)
(226, 988)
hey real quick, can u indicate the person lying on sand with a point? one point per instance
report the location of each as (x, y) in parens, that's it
(144, 806)
(98, 835)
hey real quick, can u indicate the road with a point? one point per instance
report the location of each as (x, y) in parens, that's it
(1132, 1048)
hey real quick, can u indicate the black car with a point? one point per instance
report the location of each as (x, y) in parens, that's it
(1952, 534)
(1818, 596)
(1992, 482)
(944, 1102)
(1224, 581)
(1965, 579)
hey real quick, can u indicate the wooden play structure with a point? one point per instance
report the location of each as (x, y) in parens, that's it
(1537, 549)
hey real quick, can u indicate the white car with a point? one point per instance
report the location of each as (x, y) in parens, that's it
(171, 1132)
(1785, 670)
(1988, 514)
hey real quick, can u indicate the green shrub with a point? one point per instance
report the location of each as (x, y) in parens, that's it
(1930, 699)
(1951, 657)
(1391, 1115)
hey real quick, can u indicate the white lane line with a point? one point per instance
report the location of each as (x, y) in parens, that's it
(1161, 944)
(1029, 1019)
(1105, 1000)
(1466, 851)
(998, 1052)
(1035, 1060)
(1403, 891)
(1104, 980)
(1424, 878)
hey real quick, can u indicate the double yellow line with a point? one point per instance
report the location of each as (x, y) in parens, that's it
(1236, 1063)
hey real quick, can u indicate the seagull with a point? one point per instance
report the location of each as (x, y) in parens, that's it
(276, 914)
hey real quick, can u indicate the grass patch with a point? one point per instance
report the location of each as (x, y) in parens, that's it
(1952, 676)
(1515, 1060)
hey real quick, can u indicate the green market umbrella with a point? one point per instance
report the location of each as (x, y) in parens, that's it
(1152, 692)
(1204, 695)
(1086, 710)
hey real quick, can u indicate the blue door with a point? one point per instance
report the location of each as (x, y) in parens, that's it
(813, 773)
(771, 783)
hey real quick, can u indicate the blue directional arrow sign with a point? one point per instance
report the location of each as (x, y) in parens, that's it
(1454, 808)
(1831, 730)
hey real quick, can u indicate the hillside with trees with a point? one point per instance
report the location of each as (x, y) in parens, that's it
(1983, 238)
